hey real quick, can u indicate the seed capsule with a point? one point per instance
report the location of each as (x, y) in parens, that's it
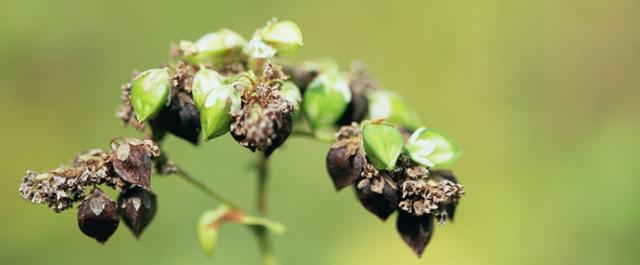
(383, 144)
(137, 207)
(285, 36)
(133, 164)
(98, 216)
(181, 118)
(381, 203)
(431, 147)
(390, 107)
(204, 82)
(215, 112)
(326, 99)
(150, 92)
(344, 163)
(416, 231)
(214, 47)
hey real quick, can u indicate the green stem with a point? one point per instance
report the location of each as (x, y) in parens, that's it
(263, 236)
(217, 195)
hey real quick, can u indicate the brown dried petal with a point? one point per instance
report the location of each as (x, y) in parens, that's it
(137, 207)
(382, 205)
(181, 118)
(416, 231)
(98, 216)
(343, 166)
(450, 208)
(136, 169)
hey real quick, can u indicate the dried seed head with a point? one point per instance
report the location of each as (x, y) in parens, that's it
(98, 216)
(132, 161)
(137, 207)
(416, 231)
(377, 192)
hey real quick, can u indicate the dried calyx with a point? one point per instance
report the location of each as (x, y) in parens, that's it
(417, 192)
(126, 168)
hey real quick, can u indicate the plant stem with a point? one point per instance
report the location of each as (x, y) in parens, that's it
(264, 238)
(215, 194)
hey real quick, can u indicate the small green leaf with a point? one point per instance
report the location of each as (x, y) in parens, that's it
(204, 82)
(431, 148)
(383, 144)
(208, 228)
(150, 92)
(213, 46)
(285, 36)
(273, 226)
(392, 108)
(326, 99)
(214, 114)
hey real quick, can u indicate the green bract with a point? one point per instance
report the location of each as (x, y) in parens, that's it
(204, 82)
(389, 106)
(431, 148)
(325, 99)
(150, 92)
(383, 144)
(213, 46)
(291, 93)
(214, 114)
(285, 36)
(208, 228)
(257, 49)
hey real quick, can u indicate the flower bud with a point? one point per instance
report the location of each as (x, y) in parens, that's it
(285, 36)
(137, 207)
(383, 144)
(213, 47)
(416, 231)
(326, 99)
(204, 82)
(150, 92)
(431, 147)
(291, 93)
(98, 216)
(214, 114)
(389, 106)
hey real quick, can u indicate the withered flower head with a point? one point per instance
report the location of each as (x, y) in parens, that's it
(264, 121)
(377, 191)
(98, 216)
(132, 160)
(345, 159)
(137, 207)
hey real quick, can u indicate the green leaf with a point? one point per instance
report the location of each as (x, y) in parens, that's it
(432, 148)
(285, 36)
(214, 114)
(273, 226)
(392, 108)
(326, 99)
(208, 228)
(204, 82)
(383, 144)
(150, 92)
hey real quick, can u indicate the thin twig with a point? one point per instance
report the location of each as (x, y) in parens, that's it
(262, 234)
(215, 194)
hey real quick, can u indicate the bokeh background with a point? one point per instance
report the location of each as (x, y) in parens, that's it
(542, 95)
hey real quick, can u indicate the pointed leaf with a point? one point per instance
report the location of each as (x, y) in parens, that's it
(383, 144)
(150, 92)
(208, 228)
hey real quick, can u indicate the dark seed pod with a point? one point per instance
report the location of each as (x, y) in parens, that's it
(282, 130)
(181, 118)
(301, 75)
(381, 204)
(356, 109)
(133, 164)
(416, 231)
(98, 216)
(137, 207)
(344, 166)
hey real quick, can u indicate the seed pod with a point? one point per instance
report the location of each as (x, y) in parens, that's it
(390, 107)
(215, 112)
(431, 147)
(416, 231)
(181, 118)
(133, 164)
(137, 207)
(215, 46)
(285, 36)
(326, 99)
(380, 204)
(205, 81)
(150, 92)
(98, 216)
(344, 165)
(383, 144)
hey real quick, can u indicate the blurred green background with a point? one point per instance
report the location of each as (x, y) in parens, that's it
(542, 95)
